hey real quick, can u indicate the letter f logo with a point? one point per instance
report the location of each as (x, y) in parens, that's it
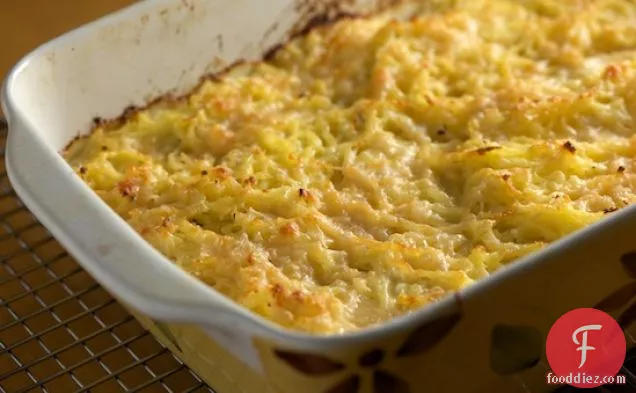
(583, 344)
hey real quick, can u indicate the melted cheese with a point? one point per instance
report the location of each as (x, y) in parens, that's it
(374, 166)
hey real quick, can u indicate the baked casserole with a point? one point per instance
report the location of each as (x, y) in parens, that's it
(375, 165)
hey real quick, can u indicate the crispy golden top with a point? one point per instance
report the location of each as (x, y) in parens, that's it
(374, 166)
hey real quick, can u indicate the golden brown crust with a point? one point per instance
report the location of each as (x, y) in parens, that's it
(373, 166)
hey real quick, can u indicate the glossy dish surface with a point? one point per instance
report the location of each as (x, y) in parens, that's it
(373, 166)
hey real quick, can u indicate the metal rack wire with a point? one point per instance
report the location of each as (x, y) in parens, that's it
(60, 331)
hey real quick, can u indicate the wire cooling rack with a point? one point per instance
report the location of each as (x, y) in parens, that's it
(61, 332)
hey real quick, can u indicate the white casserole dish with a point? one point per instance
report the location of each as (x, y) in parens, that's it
(492, 334)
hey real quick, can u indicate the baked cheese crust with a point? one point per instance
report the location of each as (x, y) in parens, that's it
(374, 166)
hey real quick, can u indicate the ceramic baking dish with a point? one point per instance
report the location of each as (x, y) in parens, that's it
(488, 338)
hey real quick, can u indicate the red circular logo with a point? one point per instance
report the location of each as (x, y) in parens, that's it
(585, 348)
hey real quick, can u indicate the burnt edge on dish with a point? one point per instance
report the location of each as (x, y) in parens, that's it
(316, 22)
(314, 14)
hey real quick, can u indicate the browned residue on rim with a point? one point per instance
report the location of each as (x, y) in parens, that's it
(312, 14)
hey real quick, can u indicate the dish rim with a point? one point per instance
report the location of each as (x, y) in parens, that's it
(15, 115)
